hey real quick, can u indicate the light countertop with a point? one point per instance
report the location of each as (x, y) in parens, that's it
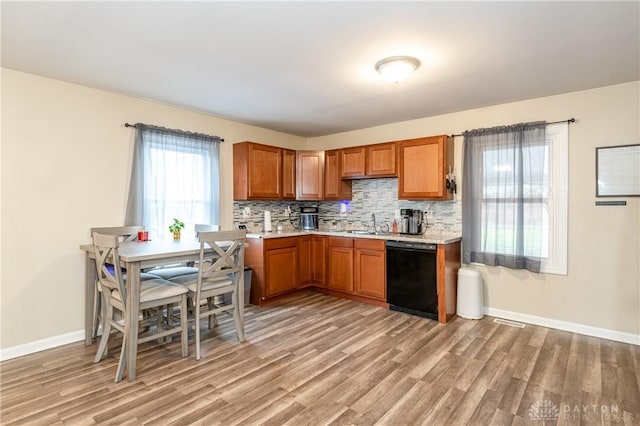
(430, 237)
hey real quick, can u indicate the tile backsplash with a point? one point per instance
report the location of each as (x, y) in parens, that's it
(378, 196)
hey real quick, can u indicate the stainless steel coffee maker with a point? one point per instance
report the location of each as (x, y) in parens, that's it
(309, 218)
(411, 221)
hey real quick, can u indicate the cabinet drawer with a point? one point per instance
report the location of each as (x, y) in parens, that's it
(367, 244)
(273, 243)
(340, 242)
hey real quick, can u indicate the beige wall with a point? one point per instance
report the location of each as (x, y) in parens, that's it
(66, 159)
(602, 288)
(62, 144)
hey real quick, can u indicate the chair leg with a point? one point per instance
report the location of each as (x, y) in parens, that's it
(123, 360)
(107, 316)
(98, 312)
(238, 317)
(159, 313)
(213, 320)
(197, 320)
(184, 323)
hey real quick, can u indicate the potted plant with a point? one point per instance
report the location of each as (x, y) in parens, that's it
(175, 228)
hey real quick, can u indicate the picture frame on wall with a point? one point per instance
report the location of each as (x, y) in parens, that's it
(618, 171)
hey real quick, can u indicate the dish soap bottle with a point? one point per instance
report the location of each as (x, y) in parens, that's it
(394, 227)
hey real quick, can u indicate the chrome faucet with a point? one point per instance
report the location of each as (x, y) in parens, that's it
(373, 218)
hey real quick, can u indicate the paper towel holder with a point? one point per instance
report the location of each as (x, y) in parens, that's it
(267, 221)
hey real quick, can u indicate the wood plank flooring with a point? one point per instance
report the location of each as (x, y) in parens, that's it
(318, 360)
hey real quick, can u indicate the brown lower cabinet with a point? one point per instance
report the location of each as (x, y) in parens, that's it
(273, 262)
(353, 268)
(340, 264)
(282, 265)
(370, 271)
(312, 260)
(319, 260)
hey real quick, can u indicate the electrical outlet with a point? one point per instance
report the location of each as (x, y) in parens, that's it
(246, 212)
(429, 214)
(287, 212)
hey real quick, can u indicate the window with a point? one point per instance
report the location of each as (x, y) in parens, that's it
(175, 175)
(515, 197)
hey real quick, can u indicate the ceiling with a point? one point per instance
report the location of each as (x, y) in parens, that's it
(306, 68)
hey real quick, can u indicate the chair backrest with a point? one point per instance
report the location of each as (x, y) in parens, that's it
(126, 233)
(106, 251)
(228, 257)
(204, 227)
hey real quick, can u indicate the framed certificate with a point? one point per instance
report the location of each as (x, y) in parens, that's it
(618, 171)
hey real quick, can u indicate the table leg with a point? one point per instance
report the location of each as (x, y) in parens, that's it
(89, 297)
(131, 325)
(241, 297)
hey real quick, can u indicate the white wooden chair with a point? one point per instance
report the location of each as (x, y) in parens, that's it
(124, 233)
(219, 273)
(154, 294)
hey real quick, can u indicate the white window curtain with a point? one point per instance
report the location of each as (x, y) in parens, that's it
(175, 174)
(506, 186)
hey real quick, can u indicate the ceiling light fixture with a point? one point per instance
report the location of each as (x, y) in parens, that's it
(397, 68)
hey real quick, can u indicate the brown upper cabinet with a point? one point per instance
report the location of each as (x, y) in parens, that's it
(423, 167)
(381, 160)
(377, 160)
(353, 162)
(288, 174)
(310, 175)
(334, 187)
(257, 171)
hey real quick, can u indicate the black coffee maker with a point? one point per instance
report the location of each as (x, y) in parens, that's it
(411, 221)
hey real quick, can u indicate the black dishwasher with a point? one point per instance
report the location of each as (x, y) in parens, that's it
(411, 278)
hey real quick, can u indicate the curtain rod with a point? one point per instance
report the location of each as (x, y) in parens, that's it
(134, 126)
(570, 120)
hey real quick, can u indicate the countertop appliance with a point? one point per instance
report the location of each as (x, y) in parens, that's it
(309, 218)
(412, 222)
(412, 278)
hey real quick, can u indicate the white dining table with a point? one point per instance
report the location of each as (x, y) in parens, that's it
(136, 256)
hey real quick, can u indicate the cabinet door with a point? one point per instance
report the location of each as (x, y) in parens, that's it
(288, 174)
(353, 162)
(318, 260)
(265, 171)
(281, 270)
(370, 273)
(305, 260)
(310, 175)
(422, 168)
(334, 187)
(381, 160)
(340, 264)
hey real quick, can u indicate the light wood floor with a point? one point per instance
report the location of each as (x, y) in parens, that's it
(316, 360)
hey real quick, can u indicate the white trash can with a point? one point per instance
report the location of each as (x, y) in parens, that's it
(470, 299)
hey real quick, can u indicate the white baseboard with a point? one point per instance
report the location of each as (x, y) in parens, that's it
(41, 345)
(587, 330)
